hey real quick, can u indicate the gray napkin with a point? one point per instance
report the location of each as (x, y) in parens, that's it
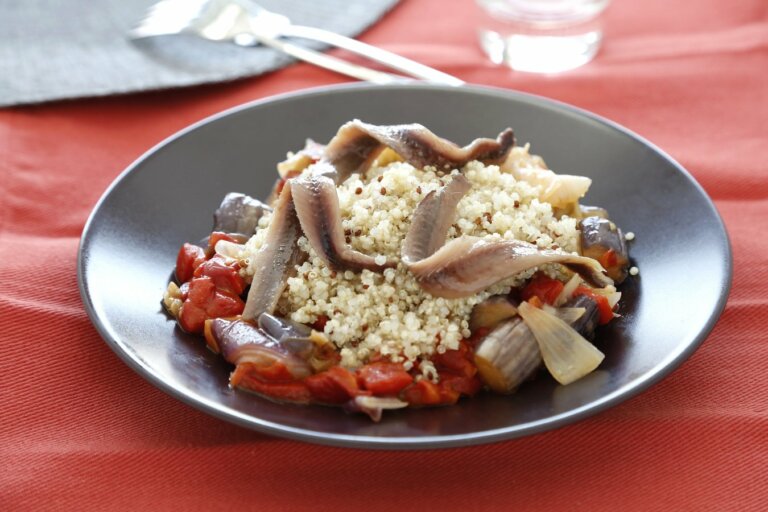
(53, 49)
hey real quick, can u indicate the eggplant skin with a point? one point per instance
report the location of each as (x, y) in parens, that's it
(490, 312)
(507, 356)
(587, 322)
(598, 237)
(239, 213)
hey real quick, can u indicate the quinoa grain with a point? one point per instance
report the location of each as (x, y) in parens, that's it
(388, 313)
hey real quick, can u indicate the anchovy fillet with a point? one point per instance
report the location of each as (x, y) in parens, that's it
(469, 264)
(357, 144)
(276, 259)
(432, 219)
(317, 206)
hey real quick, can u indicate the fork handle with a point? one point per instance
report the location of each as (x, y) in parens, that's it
(390, 59)
(323, 60)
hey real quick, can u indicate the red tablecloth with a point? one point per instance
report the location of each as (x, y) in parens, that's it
(80, 431)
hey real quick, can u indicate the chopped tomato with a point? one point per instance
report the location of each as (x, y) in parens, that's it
(201, 290)
(274, 372)
(226, 277)
(189, 258)
(543, 287)
(384, 378)
(468, 386)
(333, 386)
(477, 336)
(609, 259)
(205, 301)
(192, 317)
(223, 305)
(456, 361)
(423, 392)
(603, 306)
(448, 395)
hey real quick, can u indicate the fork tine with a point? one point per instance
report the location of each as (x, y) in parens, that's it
(229, 20)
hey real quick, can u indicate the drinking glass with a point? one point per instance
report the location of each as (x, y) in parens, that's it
(542, 36)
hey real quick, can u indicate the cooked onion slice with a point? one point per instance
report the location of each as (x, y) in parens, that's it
(610, 293)
(373, 406)
(229, 250)
(568, 290)
(300, 160)
(567, 315)
(560, 190)
(312, 346)
(566, 354)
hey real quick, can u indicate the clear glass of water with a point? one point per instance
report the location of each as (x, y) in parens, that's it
(541, 36)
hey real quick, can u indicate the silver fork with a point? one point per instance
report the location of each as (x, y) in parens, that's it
(247, 24)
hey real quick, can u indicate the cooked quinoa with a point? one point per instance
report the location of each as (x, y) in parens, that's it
(389, 314)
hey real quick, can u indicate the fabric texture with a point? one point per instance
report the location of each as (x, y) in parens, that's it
(51, 50)
(79, 430)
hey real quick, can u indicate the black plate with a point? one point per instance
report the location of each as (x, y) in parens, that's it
(167, 197)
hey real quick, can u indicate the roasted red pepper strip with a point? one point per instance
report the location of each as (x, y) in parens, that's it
(456, 361)
(423, 392)
(603, 306)
(384, 379)
(246, 376)
(275, 372)
(609, 259)
(543, 287)
(333, 386)
(468, 386)
(319, 324)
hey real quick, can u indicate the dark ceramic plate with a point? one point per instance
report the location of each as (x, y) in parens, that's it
(167, 197)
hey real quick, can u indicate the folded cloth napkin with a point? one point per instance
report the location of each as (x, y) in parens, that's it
(52, 50)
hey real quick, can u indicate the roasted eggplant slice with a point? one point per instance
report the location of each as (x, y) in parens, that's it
(507, 356)
(491, 312)
(603, 241)
(312, 346)
(587, 322)
(239, 213)
(242, 342)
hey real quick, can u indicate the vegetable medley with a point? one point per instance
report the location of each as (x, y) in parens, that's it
(392, 268)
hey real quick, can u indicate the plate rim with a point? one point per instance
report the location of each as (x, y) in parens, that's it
(660, 371)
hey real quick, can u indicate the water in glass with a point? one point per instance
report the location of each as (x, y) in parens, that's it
(543, 36)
